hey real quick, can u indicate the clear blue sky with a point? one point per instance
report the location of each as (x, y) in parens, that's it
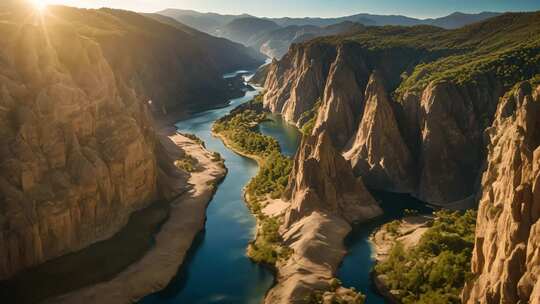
(322, 8)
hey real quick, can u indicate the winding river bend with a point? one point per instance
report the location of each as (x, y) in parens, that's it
(217, 270)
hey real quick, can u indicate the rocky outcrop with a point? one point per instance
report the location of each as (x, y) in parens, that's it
(295, 83)
(317, 244)
(343, 99)
(378, 152)
(325, 198)
(506, 258)
(322, 180)
(78, 150)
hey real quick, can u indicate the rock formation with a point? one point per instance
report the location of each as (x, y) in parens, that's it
(506, 258)
(78, 150)
(322, 180)
(435, 131)
(378, 152)
(297, 81)
(419, 126)
(343, 99)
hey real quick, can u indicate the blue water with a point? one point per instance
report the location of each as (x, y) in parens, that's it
(358, 263)
(218, 271)
(287, 135)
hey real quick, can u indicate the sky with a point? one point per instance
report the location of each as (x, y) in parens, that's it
(315, 8)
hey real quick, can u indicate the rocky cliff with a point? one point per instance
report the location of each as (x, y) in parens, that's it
(78, 151)
(296, 82)
(322, 180)
(377, 135)
(416, 128)
(506, 259)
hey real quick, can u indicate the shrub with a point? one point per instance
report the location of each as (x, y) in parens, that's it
(272, 177)
(188, 163)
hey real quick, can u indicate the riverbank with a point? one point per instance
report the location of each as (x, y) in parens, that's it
(171, 244)
(306, 256)
(408, 231)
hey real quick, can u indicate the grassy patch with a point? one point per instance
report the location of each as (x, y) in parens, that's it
(272, 177)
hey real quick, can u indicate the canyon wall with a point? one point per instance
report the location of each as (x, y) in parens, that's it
(78, 148)
(428, 143)
(506, 257)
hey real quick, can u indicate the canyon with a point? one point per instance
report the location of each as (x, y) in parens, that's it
(91, 102)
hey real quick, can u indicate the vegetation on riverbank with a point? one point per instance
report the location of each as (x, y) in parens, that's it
(436, 269)
(193, 137)
(336, 294)
(188, 164)
(239, 130)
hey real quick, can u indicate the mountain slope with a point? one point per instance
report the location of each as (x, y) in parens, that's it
(273, 36)
(210, 22)
(457, 19)
(452, 21)
(205, 22)
(79, 152)
(245, 30)
(275, 44)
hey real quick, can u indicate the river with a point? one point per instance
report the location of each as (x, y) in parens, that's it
(218, 270)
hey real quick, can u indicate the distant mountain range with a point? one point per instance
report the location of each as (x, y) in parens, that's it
(273, 36)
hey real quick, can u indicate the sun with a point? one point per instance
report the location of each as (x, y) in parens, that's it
(40, 5)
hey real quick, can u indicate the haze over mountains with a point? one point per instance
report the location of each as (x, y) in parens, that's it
(273, 36)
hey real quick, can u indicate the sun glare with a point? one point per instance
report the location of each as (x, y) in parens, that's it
(40, 5)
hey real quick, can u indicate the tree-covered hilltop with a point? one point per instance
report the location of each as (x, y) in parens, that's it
(506, 47)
